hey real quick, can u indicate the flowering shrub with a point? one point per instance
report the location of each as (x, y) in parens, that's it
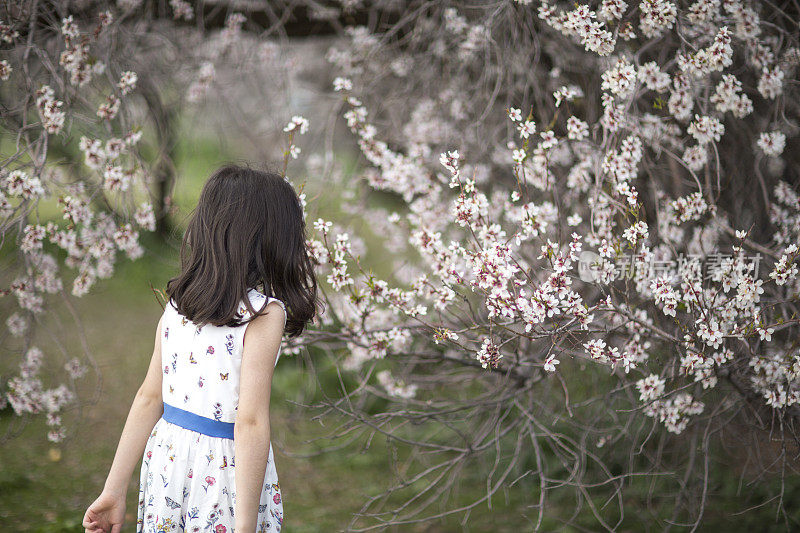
(67, 100)
(585, 210)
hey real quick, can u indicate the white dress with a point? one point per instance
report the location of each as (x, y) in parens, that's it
(187, 480)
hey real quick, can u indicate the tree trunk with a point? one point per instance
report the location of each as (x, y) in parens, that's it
(165, 117)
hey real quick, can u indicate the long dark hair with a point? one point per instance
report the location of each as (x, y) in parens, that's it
(246, 231)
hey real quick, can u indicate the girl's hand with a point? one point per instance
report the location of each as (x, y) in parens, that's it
(105, 514)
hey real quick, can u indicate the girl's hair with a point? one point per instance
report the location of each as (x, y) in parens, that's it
(247, 230)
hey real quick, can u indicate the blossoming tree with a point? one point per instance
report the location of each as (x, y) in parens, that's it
(597, 249)
(64, 95)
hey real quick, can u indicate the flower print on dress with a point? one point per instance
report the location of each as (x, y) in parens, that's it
(217, 411)
(167, 525)
(210, 480)
(166, 333)
(229, 343)
(200, 382)
(278, 517)
(213, 516)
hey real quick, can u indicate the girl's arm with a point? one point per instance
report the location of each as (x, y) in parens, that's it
(108, 511)
(251, 431)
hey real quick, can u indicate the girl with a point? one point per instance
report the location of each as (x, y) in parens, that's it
(201, 416)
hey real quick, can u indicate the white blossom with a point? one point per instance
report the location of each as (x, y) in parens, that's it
(772, 143)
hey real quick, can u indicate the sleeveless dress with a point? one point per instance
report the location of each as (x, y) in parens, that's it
(187, 479)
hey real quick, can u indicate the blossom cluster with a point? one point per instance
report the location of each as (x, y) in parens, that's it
(28, 395)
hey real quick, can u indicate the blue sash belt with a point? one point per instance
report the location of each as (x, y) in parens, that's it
(195, 422)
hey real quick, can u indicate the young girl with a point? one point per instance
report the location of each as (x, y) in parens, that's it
(201, 416)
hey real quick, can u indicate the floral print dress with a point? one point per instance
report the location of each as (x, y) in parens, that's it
(187, 480)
